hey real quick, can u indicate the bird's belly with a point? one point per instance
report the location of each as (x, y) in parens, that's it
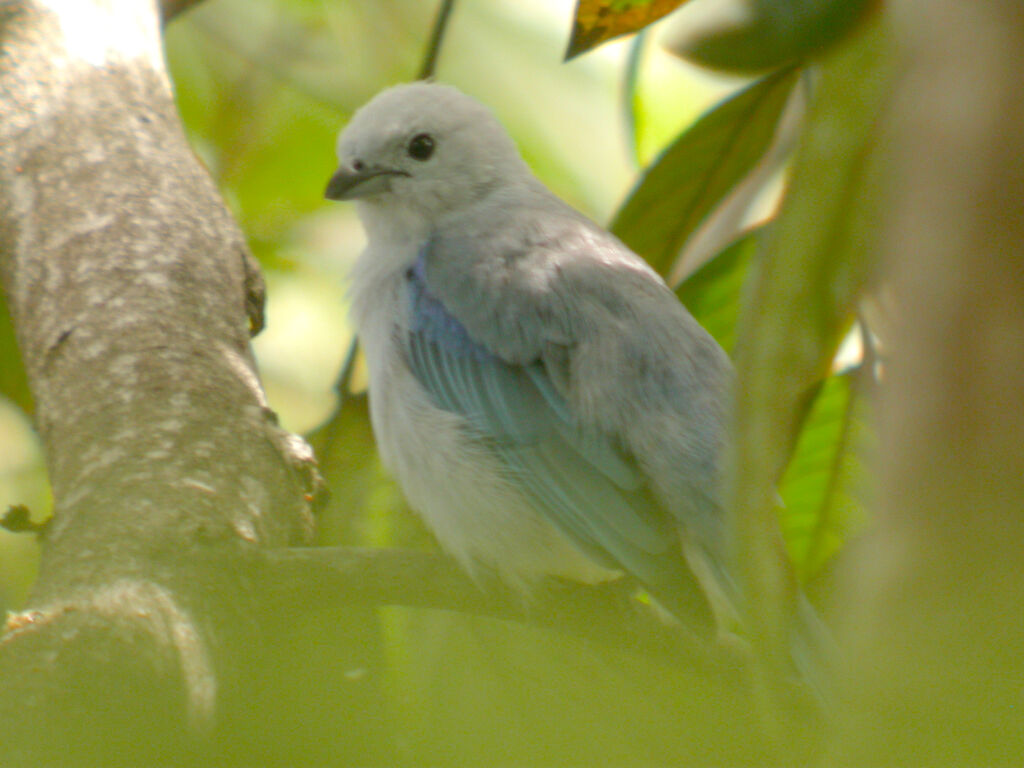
(460, 489)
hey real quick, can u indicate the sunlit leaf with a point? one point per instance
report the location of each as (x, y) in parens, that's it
(713, 293)
(824, 483)
(596, 21)
(684, 184)
(757, 35)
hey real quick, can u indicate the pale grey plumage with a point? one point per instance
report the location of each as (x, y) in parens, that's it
(524, 364)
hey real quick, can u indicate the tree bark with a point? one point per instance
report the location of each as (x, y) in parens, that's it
(133, 296)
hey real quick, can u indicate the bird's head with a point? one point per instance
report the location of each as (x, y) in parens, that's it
(423, 148)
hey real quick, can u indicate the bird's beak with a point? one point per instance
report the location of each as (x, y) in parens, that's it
(349, 183)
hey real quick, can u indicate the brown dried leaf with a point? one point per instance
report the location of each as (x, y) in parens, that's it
(599, 20)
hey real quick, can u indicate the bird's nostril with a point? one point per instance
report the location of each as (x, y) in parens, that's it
(357, 165)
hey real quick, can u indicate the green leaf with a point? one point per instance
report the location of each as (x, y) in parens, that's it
(823, 480)
(769, 33)
(684, 184)
(824, 483)
(596, 21)
(713, 293)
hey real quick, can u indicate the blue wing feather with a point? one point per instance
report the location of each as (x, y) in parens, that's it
(579, 480)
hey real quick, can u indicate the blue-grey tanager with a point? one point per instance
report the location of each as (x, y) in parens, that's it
(546, 403)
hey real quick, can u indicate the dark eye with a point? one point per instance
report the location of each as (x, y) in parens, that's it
(421, 146)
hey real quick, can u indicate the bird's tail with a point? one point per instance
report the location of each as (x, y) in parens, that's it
(812, 649)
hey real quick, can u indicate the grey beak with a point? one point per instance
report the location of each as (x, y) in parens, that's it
(349, 183)
(341, 182)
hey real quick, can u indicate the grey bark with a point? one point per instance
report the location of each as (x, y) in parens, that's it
(132, 295)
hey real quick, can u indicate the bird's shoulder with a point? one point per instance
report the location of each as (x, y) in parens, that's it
(523, 271)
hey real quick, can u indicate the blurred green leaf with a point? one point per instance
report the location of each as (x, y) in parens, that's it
(714, 293)
(823, 484)
(757, 35)
(281, 175)
(597, 21)
(804, 292)
(272, 164)
(684, 184)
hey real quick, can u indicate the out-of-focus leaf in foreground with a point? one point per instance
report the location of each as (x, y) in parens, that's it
(804, 293)
(463, 684)
(596, 21)
(713, 293)
(823, 482)
(683, 185)
(758, 35)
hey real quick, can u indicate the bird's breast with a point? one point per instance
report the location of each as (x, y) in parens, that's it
(449, 476)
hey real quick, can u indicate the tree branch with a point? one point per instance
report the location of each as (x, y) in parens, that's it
(302, 579)
(429, 66)
(132, 295)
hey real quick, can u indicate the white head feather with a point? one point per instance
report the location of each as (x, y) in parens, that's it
(425, 151)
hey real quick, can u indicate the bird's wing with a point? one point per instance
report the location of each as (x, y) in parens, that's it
(577, 478)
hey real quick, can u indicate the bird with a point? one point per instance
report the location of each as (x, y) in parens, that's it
(546, 403)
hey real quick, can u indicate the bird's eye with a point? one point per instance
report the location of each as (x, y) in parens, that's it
(421, 146)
